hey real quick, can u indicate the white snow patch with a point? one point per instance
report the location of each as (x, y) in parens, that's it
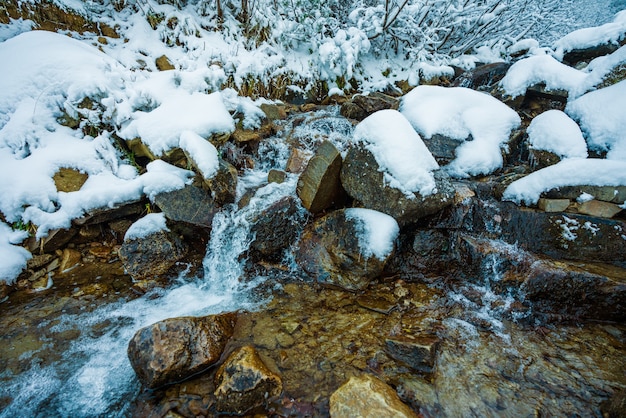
(400, 152)
(149, 224)
(14, 257)
(202, 152)
(611, 32)
(162, 177)
(555, 132)
(376, 231)
(584, 197)
(460, 113)
(569, 228)
(602, 119)
(569, 172)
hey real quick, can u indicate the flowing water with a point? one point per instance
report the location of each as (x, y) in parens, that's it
(63, 351)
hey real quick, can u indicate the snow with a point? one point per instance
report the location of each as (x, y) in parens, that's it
(376, 231)
(204, 153)
(569, 172)
(459, 113)
(541, 69)
(399, 151)
(611, 32)
(149, 224)
(14, 257)
(602, 119)
(555, 132)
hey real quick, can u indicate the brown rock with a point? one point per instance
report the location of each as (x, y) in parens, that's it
(177, 348)
(276, 176)
(598, 208)
(367, 397)
(190, 204)
(245, 382)
(613, 194)
(553, 205)
(298, 160)
(319, 186)
(361, 106)
(541, 158)
(163, 63)
(223, 185)
(69, 179)
(417, 352)
(274, 112)
(70, 258)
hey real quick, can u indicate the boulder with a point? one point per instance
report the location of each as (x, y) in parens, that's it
(443, 148)
(364, 182)
(275, 229)
(191, 204)
(69, 179)
(177, 348)
(483, 77)
(245, 382)
(298, 160)
(331, 250)
(152, 255)
(367, 397)
(319, 186)
(577, 56)
(223, 185)
(361, 106)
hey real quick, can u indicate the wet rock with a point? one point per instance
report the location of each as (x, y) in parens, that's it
(363, 181)
(163, 63)
(273, 111)
(244, 382)
(331, 252)
(70, 258)
(417, 352)
(553, 205)
(275, 229)
(577, 56)
(276, 176)
(152, 255)
(223, 185)
(69, 179)
(319, 186)
(368, 397)
(361, 106)
(177, 348)
(298, 160)
(484, 77)
(191, 204)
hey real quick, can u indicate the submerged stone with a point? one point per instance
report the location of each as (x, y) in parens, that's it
(174, 349)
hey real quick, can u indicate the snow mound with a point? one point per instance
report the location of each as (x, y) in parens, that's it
(459, 113)
(555, 132)
(602, 119)
(400, 152)
(161, 128)
(149, 224)
(541, 69)
(376, 231)
(611, 32)
(14, 257)
(569, 172)
(202, 152)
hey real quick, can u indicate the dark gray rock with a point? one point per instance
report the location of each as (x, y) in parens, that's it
(361, 106)
(190, 204)
(275, 229)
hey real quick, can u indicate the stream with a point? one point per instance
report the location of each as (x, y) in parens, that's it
(63, 350)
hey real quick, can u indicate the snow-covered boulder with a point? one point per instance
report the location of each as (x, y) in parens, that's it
(553, 136)
(347, 248)
(389, 169)
(481, 122)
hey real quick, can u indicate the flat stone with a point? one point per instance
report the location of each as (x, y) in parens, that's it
(553, 205)
(598, 208)
(190, 204)
(613, 194)
(366, 396)
(69, 179)
(276, 176)
(70, 258)
(163, 63)
(417, 352)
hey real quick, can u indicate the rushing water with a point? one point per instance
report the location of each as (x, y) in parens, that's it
(63, 351)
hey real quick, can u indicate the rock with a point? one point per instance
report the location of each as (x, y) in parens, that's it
(223, 185)
(190, 204)
(442, 147)
(102, 215)
(541, 158)
(367, 397)
(298, 160)
(553, 205)
(119, 228)
(275, 229)
(276, 176)
(319, 186)
(69, 179)
(361, 106)
(176, 348)
(244, 382)
(153, 255)
(540, 91)
(330, 251)
(163, 63)
(55, 240)
(598, 208)
(273, 111)
(574, 289)
(576, 56)
(484, 77)
(363, 181)
(417, 352)
(616, 406)
(70, 258)
(613, 194)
